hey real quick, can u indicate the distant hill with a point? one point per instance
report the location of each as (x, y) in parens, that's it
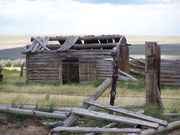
(11, 46)
(13, 53)
(171, 51)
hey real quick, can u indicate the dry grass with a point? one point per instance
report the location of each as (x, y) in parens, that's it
(15, 90)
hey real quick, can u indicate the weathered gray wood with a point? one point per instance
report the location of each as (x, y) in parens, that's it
(128, 106)
(169, 70)
(161, 128)
(113, 124)
(140, 61)
(114, 118)
(32, 112)
(110, 125)
(126, 112)
(96, 130)
(3, 117)
(124, 78)
(136, 73)
(53, 124)
(152, 75)
(70, 120)
(123, 56)
(174, 84)
(126, 74)
(85, 46)
(93, 37)
(70, 41)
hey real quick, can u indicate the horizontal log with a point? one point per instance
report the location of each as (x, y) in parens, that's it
(128, 106)
(91, 37)
(3, 117)
(167, 83)
(33, 107)
(114, 118)
(161, 128)
(126, 112)
(170, 76)
(136, 73)
(169, 80)
(53, 124)
(127, 75)
(140, 61)
(99, 91)
(96, 130)
(136, 66)
(124, 78)
(42, 81)
(113, 124)
(85, 46)
(32, 113)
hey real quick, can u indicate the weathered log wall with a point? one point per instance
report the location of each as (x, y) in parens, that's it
(42, 67)
(170, 70)
(48, 66)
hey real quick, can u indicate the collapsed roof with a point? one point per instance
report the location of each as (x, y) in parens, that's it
(64, 43)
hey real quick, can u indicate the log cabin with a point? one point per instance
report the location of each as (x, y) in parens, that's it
(73, 59)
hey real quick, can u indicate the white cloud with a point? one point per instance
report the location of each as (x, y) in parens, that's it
(73, 17)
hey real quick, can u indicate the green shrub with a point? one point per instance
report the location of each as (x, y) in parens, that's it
(12, 63)
(97, 82)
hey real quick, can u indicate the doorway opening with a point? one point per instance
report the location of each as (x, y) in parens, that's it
(70, 71)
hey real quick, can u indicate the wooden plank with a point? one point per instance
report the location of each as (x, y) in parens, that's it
(53, 124)
(96, 130)
(128, 106)
(126, 74)
(126, 112)
(114, 118)
(110, 125)
(32, 112)
(85, 46)
(152, 76)
(175, 84)
(70, 120)
(161, 129)
(93, 37)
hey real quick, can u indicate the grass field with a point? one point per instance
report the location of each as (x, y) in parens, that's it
(14, 90)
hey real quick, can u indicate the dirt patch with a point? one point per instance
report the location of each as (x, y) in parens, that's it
(27, 127)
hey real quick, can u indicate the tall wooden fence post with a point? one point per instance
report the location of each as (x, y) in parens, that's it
(124, 57)
(152, 74)
(120, 55)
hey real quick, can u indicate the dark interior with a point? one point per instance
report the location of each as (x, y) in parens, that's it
(70, 71)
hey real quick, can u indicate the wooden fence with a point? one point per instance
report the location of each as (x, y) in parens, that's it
(170, 70)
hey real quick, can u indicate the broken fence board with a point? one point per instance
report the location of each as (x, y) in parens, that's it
(114, 118)
(126, 74)
(32, 113)
(131, 106)
(53, 124)
(70, 120)
(161, 128)
(96, 130)
(126, 112)
(110, 125)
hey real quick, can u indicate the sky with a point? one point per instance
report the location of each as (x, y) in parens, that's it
(142, 17)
